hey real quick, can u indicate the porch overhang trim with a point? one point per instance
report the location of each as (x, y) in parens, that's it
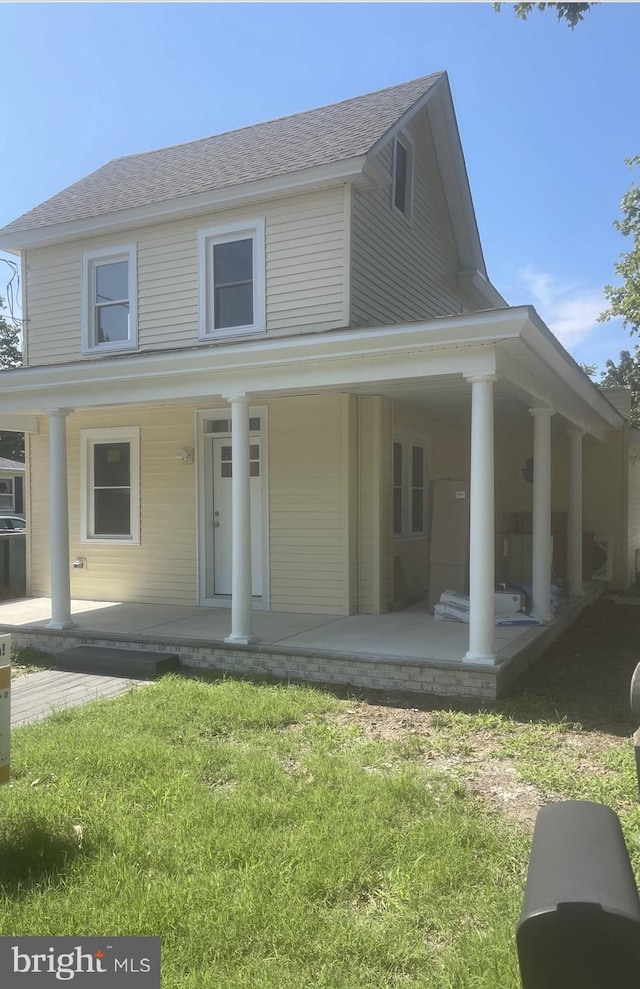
(186, 382)
(442, 346)
(182, 206)
(541, 340)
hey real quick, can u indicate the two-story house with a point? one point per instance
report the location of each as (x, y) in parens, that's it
(249, 358)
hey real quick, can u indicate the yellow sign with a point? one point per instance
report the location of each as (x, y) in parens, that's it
(5, 707)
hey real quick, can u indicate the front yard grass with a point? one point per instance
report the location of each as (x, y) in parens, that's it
(275, 840)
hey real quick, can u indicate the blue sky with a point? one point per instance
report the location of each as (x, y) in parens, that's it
(546, 115)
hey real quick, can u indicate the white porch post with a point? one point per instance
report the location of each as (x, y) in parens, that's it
(574, 527)
(59, 521)
(241, 602)
(541, 549)
(482, 524)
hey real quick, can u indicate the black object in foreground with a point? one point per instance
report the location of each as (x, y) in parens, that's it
(580, 924)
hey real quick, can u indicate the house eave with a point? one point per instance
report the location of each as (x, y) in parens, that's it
(343, 359)
(295, 363)
(537, 334)
(305, 180)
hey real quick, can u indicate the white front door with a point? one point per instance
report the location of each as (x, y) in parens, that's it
(222, 509)
(216, 508)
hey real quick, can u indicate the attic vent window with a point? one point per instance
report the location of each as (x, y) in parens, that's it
(403, 176)
(232, 279)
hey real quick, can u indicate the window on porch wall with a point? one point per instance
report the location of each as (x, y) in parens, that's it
(111, 498)
(409, 488)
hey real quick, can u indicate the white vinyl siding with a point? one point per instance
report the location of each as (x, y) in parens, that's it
(305, 261)
(309, 514)
(307, 505)
(162, 568)
(404, 270)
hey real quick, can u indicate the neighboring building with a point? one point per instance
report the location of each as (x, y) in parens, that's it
(318, 282)
(11, 486)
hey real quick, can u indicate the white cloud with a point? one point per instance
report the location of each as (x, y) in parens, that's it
(570, 311)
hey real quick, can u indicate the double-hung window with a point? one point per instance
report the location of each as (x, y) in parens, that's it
(402, 185)
(409, 472)
(109, 299)
(110, 471)
(232, 279)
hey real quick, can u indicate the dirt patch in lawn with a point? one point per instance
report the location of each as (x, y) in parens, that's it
(581, 683)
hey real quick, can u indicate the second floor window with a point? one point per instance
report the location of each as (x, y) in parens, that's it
(109, 299)
(232, 279)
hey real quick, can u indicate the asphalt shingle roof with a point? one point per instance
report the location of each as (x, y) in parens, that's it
(328, 134)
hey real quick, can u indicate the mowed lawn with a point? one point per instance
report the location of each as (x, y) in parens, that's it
(273, 839)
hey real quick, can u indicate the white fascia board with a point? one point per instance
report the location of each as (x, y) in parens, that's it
(480, 288)
(369, 373)
(19, 423)
(402, 121)
(450, 345)
(173, 209)
(455, 180)
(537, 335)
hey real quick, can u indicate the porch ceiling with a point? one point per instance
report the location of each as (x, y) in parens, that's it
(448, 400)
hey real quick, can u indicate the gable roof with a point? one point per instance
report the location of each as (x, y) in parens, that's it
(334, 133)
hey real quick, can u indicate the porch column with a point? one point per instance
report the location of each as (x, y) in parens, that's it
(541, 549)
(574, 527)
(241, 602)
(59, 521)
(482, 524)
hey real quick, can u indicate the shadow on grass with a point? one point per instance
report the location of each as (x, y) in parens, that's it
(33, 855)
(583, 678)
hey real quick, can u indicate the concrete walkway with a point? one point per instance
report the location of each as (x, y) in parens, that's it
(36, 695)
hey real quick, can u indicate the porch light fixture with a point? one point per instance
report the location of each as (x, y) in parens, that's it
(185, 456)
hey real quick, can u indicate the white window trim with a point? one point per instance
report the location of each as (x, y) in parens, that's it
(410, 147)
(124, 252)
(226, 233)
(115, 434)
(408, 440)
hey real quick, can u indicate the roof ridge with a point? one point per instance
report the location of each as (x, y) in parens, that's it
(275, 120)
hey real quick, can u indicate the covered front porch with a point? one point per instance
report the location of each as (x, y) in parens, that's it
(344, 544)
(397, 651)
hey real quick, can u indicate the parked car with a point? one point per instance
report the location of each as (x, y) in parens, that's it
(15, 523)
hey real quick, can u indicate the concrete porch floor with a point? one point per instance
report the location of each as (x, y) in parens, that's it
(390, 651)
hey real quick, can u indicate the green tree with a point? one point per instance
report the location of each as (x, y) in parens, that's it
(572, 13)
(626, 372)
(11, 444)
(624, 300)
